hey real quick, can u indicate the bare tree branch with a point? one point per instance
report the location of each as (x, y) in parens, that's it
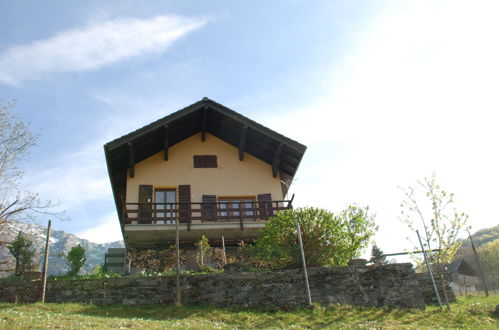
(441, 224)
(16, 139)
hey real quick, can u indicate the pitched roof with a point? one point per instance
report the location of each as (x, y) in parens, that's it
(216, 119)
(460, 266)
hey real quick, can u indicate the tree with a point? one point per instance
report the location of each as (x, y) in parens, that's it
(97, 269)
(76, 260)
(489, 258)
(204, 251)
(377, 256)
(16, 139)
(328, 239)
(441, 222)
(22, 250)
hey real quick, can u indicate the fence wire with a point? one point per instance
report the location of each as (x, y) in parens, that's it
(232, 274)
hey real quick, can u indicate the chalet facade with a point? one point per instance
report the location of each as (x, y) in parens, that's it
(206, 166)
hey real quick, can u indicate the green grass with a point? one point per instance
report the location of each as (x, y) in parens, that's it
(469, 313)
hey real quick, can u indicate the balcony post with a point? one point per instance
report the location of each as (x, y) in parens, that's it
(254, 210)
(124, 214)
(241, 217)
(189, 217)
(177, 264)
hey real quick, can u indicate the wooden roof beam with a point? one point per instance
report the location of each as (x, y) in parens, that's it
(277, 160)
(203, 129)
(242, 141)
(166, 142)
(131, 159)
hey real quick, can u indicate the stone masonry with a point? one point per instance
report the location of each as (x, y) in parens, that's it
(388, 285)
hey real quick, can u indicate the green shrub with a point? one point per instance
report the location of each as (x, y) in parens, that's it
(22, 250)
(76, 260)
(328, 239)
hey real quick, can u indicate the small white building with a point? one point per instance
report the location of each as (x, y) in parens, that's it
(463, 277)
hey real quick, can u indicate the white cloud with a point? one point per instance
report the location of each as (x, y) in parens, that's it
(416, 93)
(75, 178)
(107, 230)
(92, 47)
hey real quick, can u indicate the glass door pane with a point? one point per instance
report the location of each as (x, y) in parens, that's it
(165, 200)
(248, 204)
(171, 199)
(235, 208)
(160, 200)
(223, 206)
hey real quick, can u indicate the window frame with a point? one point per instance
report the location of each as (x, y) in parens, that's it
(167, 217)
(239, 200)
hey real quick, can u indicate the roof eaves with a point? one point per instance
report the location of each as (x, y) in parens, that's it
(154, 125)
(259, 127)
(216, 106)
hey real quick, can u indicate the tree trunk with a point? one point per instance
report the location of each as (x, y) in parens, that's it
(444, 289)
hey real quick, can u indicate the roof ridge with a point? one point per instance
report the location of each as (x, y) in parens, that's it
(195, 106)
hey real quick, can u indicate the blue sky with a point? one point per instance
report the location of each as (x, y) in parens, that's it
(381, 92)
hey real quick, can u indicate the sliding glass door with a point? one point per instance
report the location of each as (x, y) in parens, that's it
(165, 199)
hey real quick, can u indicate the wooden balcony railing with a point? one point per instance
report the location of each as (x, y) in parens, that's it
(226, 211)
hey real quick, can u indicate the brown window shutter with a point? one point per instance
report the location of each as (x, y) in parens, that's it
(184, 199)
(145, 200)
(205, 161)
(211, 161)
(209, 209)
(197, 162)
(265, 206)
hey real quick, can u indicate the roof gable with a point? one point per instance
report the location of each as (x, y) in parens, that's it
(460, 266)
(216, 119)
(204, 116)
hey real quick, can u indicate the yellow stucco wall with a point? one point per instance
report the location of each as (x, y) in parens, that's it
(233, 177)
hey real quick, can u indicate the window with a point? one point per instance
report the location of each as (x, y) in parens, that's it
(235, 205)
(165, 199)
(205, 161)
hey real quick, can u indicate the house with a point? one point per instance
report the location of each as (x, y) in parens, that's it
(463, 277)
(213, 170)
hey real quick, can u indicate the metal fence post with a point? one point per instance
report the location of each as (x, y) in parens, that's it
(177, 239)
(309, 298)
(224, 256)
(45, 262)
(429, 271)
(126, 269)
(479, 265)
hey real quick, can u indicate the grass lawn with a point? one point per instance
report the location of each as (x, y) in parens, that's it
(472, 312)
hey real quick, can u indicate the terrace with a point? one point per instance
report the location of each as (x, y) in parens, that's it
(145, 223)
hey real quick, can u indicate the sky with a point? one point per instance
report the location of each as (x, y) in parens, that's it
(382, 93)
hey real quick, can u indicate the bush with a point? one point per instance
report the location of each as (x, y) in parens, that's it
(204, 251)
(328, 239)
(76, 260)
(22, 250)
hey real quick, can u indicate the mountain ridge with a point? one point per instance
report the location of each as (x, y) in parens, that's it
(60, 243)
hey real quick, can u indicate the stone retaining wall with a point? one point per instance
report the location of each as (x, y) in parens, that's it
(388, 285)
(428, 292)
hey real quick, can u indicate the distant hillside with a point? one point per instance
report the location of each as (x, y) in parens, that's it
(60, 242)
(483, 236)
(487, 246)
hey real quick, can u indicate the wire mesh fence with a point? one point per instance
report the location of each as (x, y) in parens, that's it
(231, 274)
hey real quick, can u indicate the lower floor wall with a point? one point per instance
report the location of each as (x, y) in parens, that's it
(388, 285)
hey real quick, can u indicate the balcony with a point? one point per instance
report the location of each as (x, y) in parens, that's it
(156, 222)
